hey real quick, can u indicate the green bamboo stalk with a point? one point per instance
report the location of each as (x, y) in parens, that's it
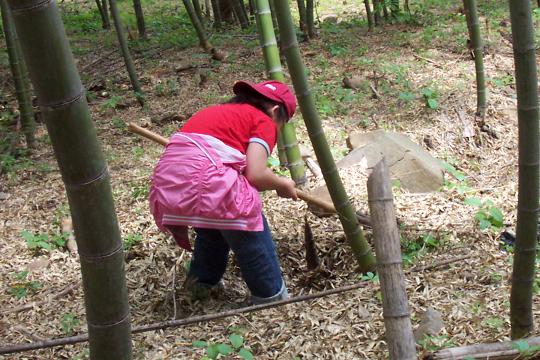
(84, 172)
(346, 211)
(125, 53)
(302, 16)
(476, 42)
(385, 10)
(310, 18)
(521, 315)
(104, 13)
(369, 14)
(198, 11)
(203, 40)
(275, 72)
(217, 15)
(274, 18)
(239, 10)
(377, 12)
(139, 15)
(394, 8)
(20, 77)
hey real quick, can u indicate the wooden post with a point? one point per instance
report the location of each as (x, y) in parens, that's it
(399, 335)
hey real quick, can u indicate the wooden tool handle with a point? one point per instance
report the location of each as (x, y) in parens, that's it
(147, 134)
(316, 201)
(163, 141)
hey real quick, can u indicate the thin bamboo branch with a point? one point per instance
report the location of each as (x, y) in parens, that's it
(36, 304)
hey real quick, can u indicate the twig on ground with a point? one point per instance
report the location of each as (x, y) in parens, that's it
(439, 264)
(43, 302)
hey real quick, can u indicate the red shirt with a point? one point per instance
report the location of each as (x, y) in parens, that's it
(237, 125)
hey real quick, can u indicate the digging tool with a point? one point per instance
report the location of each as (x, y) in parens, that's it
(362, 219)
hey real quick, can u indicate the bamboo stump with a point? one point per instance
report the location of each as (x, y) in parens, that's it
(399, 334)
(506, 350)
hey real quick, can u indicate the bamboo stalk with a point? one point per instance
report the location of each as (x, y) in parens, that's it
(20, 76)
(494, 351)
(369, 14)
(478, 48)
(310, 19)
(84, 172)
(198, 11)
(239, 10)
(346, 211)
(521, 297)
(9, 349)
(275, 71)
(399, 334)
(203, 40)
(377, 12)
(125, 53)
(141, 27)
(217, 14)
(302, 16)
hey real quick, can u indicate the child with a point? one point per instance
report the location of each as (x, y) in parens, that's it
(209, 177)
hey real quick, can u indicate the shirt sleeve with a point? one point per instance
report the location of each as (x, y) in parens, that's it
(264, 132)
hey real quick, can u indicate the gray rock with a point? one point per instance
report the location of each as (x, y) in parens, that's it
(430, 324)
(409, 163)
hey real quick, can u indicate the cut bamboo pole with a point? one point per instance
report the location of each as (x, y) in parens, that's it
(494, 351)
(399, 334)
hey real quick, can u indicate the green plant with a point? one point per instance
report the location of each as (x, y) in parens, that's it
(414, 248)
(118, 123)
(370, 276)
(38, 242)
(525, 350)
(139, 190)
(494, 323)
(68, 323)
(274, 164)
(22, 287)
(235, 346)
(138, 152)
(489, 217)
(111, 103)
(460, 185)
(131, 240)
(430, 97)
(433, 343)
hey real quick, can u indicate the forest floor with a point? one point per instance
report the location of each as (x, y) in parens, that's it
(421, 57)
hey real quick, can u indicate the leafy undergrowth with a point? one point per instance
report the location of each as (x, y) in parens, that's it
(416, 77)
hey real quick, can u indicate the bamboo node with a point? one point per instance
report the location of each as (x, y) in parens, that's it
(77, 186)
(52, 106)
(107, 325)
(90, 258)
(37, 6)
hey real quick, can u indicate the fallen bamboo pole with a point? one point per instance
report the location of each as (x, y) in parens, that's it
(9, 349)
(301, 194)
(493, 351)
(399, 334)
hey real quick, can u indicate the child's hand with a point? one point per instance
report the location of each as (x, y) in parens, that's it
(287, 189)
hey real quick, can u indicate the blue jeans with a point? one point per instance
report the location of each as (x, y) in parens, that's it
(255, 254)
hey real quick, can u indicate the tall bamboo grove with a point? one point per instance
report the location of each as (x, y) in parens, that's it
(347, 216)
(84, 172)
(521, 315)
(478, 48)
(20, 76)
(273, 67)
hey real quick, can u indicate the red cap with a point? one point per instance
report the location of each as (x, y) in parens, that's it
(273, 90)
